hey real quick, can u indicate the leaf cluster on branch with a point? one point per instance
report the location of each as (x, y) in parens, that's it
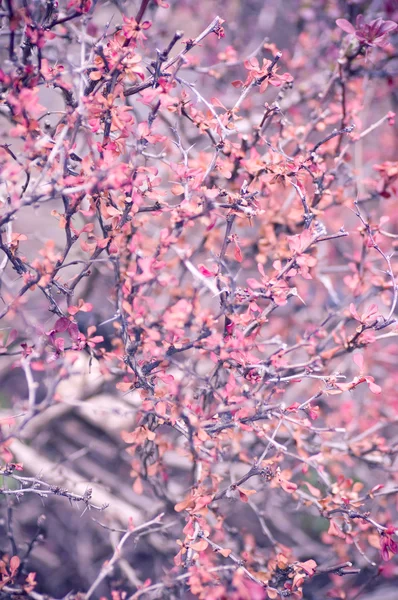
(209, 220)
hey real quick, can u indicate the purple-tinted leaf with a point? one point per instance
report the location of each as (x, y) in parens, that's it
(387, 27)
(380, 41)
(74, 332)
(345, 25)
(59, 344)
(360, 22)
(62, 324)
(361, 37)
(376, 24)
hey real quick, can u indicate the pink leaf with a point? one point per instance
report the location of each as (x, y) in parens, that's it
(205, 271)
(374, 388)
(358, 360)
(335, 530)
(59, 344)
(14, 563)
(354, 312)
(345, 25)
(238, 254)
(12, 337)
(62, 324)
(74, 332)
(309, 566)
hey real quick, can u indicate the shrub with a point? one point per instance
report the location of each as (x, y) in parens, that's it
(207, 221)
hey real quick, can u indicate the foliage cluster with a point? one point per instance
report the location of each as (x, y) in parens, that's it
(208, 220)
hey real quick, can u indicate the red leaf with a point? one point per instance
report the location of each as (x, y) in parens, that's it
(244, 494)
(205, 271)
(288, 486)
(61, 325)
(74, 332)
(335, 530)
(238, 254)
(309, 566)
